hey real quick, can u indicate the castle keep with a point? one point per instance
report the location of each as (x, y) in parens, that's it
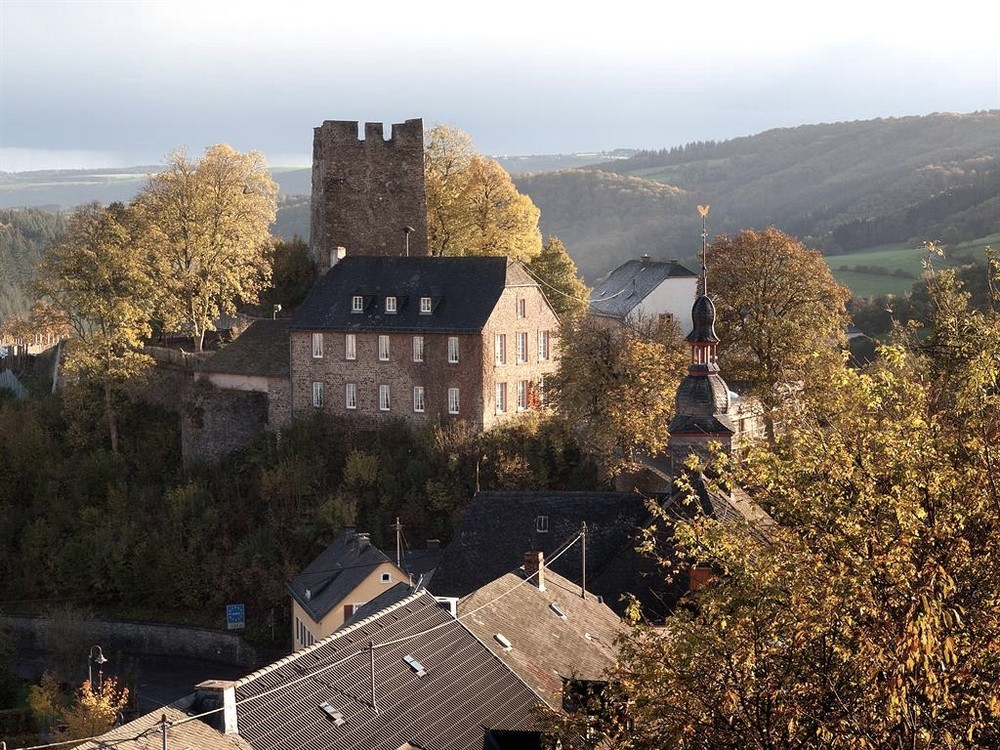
(368, 194)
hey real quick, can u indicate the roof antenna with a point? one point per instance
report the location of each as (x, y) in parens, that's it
(703, 212)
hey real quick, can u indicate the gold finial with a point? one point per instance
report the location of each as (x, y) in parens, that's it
(703, 211)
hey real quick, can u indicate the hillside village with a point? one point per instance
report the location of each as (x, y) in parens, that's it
(513, 631)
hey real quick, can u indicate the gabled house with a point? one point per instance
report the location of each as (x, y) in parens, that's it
(422, 338)
(409, 676)
(646, 289)
(544, 627)
(343, 577)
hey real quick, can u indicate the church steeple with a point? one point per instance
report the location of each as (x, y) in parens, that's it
(701, 407)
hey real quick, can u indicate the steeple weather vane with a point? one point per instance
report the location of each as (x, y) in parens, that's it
(703, 212)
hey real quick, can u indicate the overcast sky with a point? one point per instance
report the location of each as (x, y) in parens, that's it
(87, 83)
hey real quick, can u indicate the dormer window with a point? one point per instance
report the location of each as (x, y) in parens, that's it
(357, 303)
(390, 305)
(425, 305)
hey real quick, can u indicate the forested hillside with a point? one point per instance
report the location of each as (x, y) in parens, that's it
(24, 235)
(839, 187)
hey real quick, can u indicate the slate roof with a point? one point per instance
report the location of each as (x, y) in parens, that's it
(144, 734)
(463, 292)
(464, 691)
(629, 284)
(262, 349)
(335, 573)
(546, 647)
(497, 528)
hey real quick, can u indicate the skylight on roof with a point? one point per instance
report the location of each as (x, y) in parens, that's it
(502, 640)
(332, 714)
(415, 665)
(557, 609)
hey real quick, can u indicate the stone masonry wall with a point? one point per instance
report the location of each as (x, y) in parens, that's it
(506, 320)
(216, 422)
(45, 635)
(365, 191)
(400, 373)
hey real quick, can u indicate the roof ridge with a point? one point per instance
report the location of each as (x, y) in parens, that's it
(336, 634)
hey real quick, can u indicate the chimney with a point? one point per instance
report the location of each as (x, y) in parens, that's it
(534, 562)
(212, 694)
(337, 255)
(364, 539)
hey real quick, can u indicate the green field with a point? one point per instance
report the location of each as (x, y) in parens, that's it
(898, 259)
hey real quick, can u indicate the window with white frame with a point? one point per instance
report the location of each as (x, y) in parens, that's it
(522, 308)
(500, 349)
(351, 395)
(350, 346)
(522, 347)
(541, 524)
(425, 305)
(418, 348)
(383, 398)
(317, 394)
(501, 398)
(383, 348)
(418, 398)
(317, 341)
(453, 349)
(453, 402)
(390, 305)
(543, 346)
(357, 303)
(541, 391)
(386, 578)
(522, 395)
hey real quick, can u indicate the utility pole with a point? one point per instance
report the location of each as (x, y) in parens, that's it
(583, 538)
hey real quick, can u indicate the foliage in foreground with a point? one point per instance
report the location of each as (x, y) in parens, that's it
(868, 617)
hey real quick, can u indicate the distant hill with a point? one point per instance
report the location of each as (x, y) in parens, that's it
(839, 187)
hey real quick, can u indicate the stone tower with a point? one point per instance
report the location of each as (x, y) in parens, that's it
(702, 405)
(367, 194)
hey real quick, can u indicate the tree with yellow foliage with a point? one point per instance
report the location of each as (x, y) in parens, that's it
(208, 235)
(867, 617)
(473, 207)
(96, 282)
(95, 709)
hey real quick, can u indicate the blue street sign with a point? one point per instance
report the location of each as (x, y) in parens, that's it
(236, 617)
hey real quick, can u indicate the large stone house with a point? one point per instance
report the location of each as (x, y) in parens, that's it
(422, 338)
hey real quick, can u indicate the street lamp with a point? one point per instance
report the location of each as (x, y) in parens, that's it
(101, 660)
(406, 233)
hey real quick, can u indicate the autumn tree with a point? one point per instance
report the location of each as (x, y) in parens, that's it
(473, 207)
(616, 384)
(561, 284)
(97, 282)
(209, 235)
(782, 316)
(95, 709)
(867, 617)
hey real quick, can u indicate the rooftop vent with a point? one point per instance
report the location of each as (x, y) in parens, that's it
(415, 665)
(507, 645)
(557, 609)
(332, 714)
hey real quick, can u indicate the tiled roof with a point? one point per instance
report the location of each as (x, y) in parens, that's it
(463, 292)
(144, 734)
(549, 644)
(262, 349)
(335, 573)
(497, 528)
(629, 284)
(464, 689)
